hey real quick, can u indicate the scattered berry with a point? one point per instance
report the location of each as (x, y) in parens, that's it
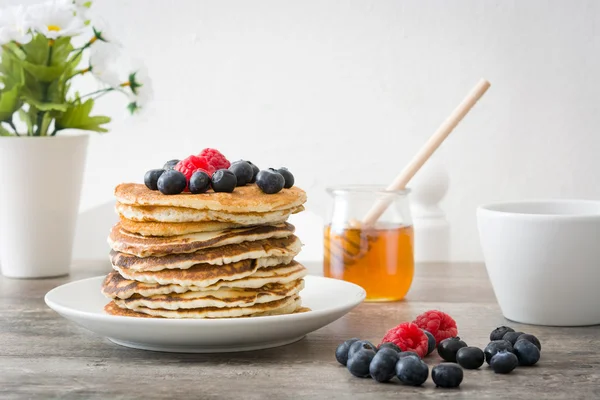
(495, 347)
(199, 182)
(391, 346)
(511, 337)
(193, 163)
(527, 352)
(151, 178)
(361, 344)
(215, 159)
(383, 365)
(403, 354)
(409, 337)
(341, 353)
(255, 171)
(412, 371)
(170, 164)
(504, 362)
(287, 176)
(470, 357)
(448, 348)
(223, 180)
(270, 182)
(359, 363)
(447, 375)
(431, 342)
(243, 172)
(438, 323)
(499, 332)
(171, 182)
(532, 339)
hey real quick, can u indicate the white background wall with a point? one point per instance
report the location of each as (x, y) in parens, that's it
(347, 91)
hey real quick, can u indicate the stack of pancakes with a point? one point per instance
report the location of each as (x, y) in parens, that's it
(211, 255)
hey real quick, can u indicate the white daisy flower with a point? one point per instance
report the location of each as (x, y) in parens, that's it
(101, 31)
(82, 7)
(14, 25)
(56, 19)
(103, 63)
(142, 91)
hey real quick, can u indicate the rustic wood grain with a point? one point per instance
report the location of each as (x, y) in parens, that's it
(45, 356)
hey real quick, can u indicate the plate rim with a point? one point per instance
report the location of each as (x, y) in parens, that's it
(67, 311)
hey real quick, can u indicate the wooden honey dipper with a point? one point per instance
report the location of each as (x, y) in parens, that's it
(355, 247)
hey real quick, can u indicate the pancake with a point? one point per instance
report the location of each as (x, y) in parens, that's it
(284, 306)
(142, 246)
(178, 228)
(202, 275)
(243, 199)
(179, 214)
(284, 248)
(115, 286)
(222, 298)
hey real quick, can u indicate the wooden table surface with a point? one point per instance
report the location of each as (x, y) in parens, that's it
(45, 356)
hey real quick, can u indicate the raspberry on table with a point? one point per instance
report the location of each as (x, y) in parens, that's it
(215, 158)
(409, 337)
(192, 164)
(438, 323)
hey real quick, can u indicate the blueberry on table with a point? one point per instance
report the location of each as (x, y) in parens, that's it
(287, 176)
(499, 332)
(532, 339)
(470, 357)
(170, 164)
(390, 345)
(255, 171)
(341, 353)
(447, 375)
(223, 180)
(504, 362)
(171, 182)
(430, 342)
(361, 344)
(359, 363)
(243, 172)
(448, 348)
(199, 182)
(408, 354)
(270, 182)
(151, 178)
(383, 365)
(512, 336)
(527, 353)
(495, 347)
(412, 371)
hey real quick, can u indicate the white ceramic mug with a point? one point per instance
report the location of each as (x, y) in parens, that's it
(543, 260)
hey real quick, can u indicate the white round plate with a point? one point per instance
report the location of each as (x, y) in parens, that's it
(82, 303)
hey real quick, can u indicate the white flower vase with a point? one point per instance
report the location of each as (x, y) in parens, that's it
(40, 188)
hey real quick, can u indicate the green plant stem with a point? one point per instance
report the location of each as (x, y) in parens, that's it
(97, 91)
(45, 87)
(12, 125)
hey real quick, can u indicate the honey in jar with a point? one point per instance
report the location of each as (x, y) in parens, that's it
(378, 258)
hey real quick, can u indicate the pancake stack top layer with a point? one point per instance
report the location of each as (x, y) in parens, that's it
(210, 255)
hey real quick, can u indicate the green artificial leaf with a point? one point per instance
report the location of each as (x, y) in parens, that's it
(27, 120)
(9, 103)
(61, 50)
(4, 131)
(11, 70)
(44, 73)
(37, 50)
(46, 120)
(78, 116)
(46, 106)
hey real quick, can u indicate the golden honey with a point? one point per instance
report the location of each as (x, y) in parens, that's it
(380, 259)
